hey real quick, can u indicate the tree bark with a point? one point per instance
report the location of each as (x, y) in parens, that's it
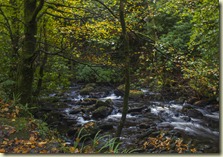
(127, 67)
(26, 68)
(42, 60)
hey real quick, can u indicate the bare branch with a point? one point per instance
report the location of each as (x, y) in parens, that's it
(113, 14)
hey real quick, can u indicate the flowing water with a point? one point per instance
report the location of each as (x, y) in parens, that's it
(154, 114)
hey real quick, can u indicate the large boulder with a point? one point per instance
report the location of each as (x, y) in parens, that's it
(194, 113)
(107, 103)
(102, 112)
(191, 111)
(88, 88)
(133, 93)
(136, 94)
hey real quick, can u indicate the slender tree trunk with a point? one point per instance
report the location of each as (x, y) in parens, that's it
(43, 61)
(41, 74)
(26, 67)
(127, 68)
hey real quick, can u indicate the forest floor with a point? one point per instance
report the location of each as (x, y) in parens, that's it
(21, 133)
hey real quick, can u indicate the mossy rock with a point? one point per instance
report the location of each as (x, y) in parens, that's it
(136, 94)
(86, 90)
(90, 85)
(133, 93)
(101, 112)
(100, 103)
(121, 87)
(109, 102)
(89, 101)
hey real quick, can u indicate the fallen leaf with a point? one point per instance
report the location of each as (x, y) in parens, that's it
(40, 144)
(193, 150)
(2, 151)
(32, 138)
(73, 150)
(43, 151)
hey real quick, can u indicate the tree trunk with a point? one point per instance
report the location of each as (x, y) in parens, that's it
(26, 68)
(127, 68)
(43, 60)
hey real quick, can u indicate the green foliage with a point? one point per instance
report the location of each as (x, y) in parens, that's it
(203, 77)
(97, 74)
(184, 56)
(57, 74)
(6, 86)
(168, 40)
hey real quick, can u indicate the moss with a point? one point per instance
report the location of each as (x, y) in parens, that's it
(86, 90)
(121, 87)
(21, 127)
(90, 85)
(101, 112)
(100, 103)
(109, 102)
(90, 101)
(100, 109)
(135, 94)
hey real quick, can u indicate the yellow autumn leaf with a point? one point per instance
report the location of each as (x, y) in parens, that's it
(40, 144)
(193, 150)
(32, 139)
(2, 151)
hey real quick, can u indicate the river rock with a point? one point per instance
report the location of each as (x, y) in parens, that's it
(75, 111)
(186, 107)
(91, 85)
(101, 112)
(133, 93)
(144, 126)
(86, 90)
(106, 127)
(194, 113)
(107, 103)
(88, 101)
(137, 109)
(212, 108)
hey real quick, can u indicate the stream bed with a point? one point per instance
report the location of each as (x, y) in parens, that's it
(146, 118)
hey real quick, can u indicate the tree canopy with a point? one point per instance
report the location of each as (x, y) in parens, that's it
(173, 45)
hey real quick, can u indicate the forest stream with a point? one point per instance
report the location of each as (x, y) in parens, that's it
(198, 126)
